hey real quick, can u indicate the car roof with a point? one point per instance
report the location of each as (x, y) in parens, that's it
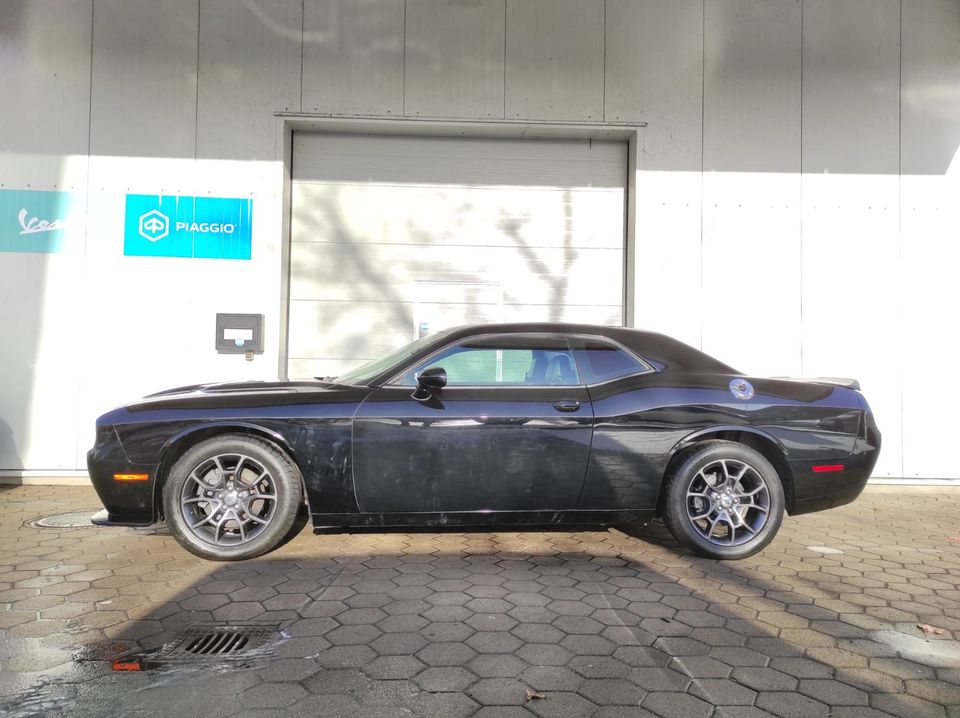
(660, 350)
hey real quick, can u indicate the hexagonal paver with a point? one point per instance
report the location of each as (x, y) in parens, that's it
(446, 654)
(272, 695)
(791, 705)
(495, 665)
(498, 692)
(494, 642)
(676, 705)
(563, 705)
(609, 691)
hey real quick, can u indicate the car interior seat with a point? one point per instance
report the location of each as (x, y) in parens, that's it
(560, 371)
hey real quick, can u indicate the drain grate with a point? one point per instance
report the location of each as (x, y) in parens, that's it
(216, 643)
(70, 520)
(220, 643)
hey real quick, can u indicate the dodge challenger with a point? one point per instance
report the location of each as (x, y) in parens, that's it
(491, 425)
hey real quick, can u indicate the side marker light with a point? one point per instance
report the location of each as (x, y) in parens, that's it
(827, 468)
(131, 477)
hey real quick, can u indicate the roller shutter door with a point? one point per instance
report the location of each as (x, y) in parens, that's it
(396, 236)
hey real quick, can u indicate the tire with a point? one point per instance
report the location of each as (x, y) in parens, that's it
(705, 501)
(232, 497)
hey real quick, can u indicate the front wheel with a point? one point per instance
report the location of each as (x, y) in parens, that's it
(231, 497)
(725, 501)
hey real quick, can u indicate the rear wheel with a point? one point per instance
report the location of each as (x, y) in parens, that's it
(231, 497)
(724, 501)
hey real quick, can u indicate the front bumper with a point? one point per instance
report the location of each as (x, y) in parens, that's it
(126, 503)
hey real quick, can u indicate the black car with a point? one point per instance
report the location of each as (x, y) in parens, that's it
(503, 424)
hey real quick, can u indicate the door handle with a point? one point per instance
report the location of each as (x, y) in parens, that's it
(566, 405)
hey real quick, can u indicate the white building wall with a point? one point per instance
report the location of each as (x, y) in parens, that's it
(795, 192)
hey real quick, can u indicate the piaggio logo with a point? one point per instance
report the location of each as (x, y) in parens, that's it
(154, 225)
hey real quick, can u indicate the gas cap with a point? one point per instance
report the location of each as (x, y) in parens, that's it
(742, 389)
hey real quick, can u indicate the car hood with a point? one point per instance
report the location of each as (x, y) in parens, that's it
(214, 399)
(245, 387)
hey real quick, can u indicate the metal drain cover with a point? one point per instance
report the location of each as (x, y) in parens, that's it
(70, 520)
(216, 643)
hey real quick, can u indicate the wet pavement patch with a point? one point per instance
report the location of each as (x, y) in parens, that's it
(204, 644)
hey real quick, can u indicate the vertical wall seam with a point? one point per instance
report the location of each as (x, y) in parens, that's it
(86, 200)
(703, 115)
(903, 464)
(802, 331)
(505, 59)
(403, 61)
(303, 23)
(85, 297)
(196, 96)
(603, 38)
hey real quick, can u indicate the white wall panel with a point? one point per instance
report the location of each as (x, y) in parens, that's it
(851, 58)
(144, 86)
(353, 56)
(554, 63)
(157, 314)
(454, 58)
(930, 216)
(851, 77)
(45, 83)
(751, 86)
(45, 87)
(751, 185)
(930, 102)
(654, 74)
(249, 69)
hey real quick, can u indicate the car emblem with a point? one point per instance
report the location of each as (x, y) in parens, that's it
(741, 388)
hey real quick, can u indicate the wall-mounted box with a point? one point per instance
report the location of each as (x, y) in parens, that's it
(239, 333)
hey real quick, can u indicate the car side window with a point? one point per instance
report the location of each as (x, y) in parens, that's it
(511, 360)
(600, 361)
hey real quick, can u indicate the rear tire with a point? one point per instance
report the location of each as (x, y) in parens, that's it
(232, 497)
(724, 501)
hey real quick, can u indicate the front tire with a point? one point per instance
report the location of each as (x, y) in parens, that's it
(724, 501)
(232, 497)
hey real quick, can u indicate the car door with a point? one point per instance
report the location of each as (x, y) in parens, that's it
(635, 427)
(510, 431)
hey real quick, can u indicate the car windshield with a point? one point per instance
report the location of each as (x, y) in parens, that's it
(372, 369)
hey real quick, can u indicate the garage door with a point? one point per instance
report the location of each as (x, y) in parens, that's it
(393, 237)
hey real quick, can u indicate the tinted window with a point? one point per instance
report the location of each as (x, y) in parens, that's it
(600, 361)
(504, 361)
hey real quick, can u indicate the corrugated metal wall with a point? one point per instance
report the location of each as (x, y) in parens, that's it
(796, 186)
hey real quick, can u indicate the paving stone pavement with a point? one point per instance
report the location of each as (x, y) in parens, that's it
(534, 623)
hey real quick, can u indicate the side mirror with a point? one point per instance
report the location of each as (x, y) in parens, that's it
(432, 380)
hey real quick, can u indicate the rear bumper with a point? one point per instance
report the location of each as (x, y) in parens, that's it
(815, 491)
(127, 503)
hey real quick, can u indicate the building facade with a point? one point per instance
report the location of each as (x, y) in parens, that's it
(773, 181)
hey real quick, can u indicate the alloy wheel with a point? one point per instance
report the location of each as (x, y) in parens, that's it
(228, 499)
(728, 502)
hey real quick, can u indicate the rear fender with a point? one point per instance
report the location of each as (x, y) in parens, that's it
(767, 445)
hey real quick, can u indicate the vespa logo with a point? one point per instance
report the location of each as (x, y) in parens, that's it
(32, 225)
(154, 225)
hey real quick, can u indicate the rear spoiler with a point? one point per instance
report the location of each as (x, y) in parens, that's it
(832, 380)
(836, 381)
